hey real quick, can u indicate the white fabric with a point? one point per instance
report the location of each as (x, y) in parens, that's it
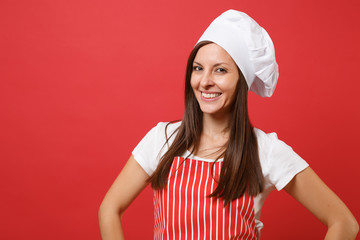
(278, 161)
(250, 46)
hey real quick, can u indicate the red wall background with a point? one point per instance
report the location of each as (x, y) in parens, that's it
(81, 82)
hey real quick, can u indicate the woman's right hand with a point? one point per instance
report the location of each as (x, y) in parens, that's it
(130, 182)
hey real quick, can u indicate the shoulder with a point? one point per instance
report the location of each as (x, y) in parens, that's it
(159, 134)
(270, 141)
(266, 140)
(165, 129)
(269, 144)
(279, 162)
(153, 145)
(264, 137)
(169, 126)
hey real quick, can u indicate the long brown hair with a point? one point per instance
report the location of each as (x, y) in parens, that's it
(241, 170)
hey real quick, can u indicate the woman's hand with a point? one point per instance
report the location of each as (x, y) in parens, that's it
(130, 182)
(308, 189)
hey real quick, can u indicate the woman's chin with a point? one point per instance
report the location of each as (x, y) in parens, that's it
(214, 111)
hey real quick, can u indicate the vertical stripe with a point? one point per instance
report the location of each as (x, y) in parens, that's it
(192, 202)
(223, 221)
(230, 219)
(248, 226)
(167, 202)
(253, 228)
(161, 220)
(217, 212)
(205, 199)
(245, 220)
(186, 198)
(249, 217)
(241, 218)
(163, 211)
(236, 216)
(241, 215)
(182, 175)
(211, 202)
(155, 213)
(237, 210)
(156, 206)
(160, 213)
(198, 200)
(173, 207)
(167, 210)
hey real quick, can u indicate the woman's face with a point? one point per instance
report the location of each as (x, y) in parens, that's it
(214, 79)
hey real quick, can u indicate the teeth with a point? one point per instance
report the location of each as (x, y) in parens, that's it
(210, 95)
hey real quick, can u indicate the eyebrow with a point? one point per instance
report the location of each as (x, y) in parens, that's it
(215, 65)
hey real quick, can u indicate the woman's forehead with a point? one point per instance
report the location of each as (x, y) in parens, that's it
(213, 54)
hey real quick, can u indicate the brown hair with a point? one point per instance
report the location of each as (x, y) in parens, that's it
(241, 170)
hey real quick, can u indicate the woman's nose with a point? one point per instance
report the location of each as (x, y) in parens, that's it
(206, 80)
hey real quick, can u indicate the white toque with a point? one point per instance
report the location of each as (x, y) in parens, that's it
(250, 46)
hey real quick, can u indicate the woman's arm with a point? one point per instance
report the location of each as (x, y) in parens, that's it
(308, 189)
(130, 182)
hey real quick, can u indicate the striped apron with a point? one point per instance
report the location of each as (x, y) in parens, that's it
(182, 209)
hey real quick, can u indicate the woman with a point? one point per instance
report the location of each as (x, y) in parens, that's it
(212, 171)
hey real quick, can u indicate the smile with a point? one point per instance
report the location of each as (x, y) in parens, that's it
(210, 95)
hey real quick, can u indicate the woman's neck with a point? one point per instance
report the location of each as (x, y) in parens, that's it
(213, 138)
(216, 125)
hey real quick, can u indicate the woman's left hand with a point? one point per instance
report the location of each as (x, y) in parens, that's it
(308, 189)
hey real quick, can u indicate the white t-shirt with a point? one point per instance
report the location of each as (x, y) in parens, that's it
(279, 163)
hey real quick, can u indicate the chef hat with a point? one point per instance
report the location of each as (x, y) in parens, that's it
(250, 46)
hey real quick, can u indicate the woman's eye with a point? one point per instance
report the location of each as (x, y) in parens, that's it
(221, 70)
(197, 68)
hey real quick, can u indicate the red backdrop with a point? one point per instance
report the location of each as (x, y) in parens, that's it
(81, 82)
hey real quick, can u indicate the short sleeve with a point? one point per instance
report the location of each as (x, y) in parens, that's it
(150, 149)
(279, 162)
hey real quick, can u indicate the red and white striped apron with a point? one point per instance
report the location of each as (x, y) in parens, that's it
(182, 210)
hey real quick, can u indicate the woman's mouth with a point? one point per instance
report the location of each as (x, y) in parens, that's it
(210, 95)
